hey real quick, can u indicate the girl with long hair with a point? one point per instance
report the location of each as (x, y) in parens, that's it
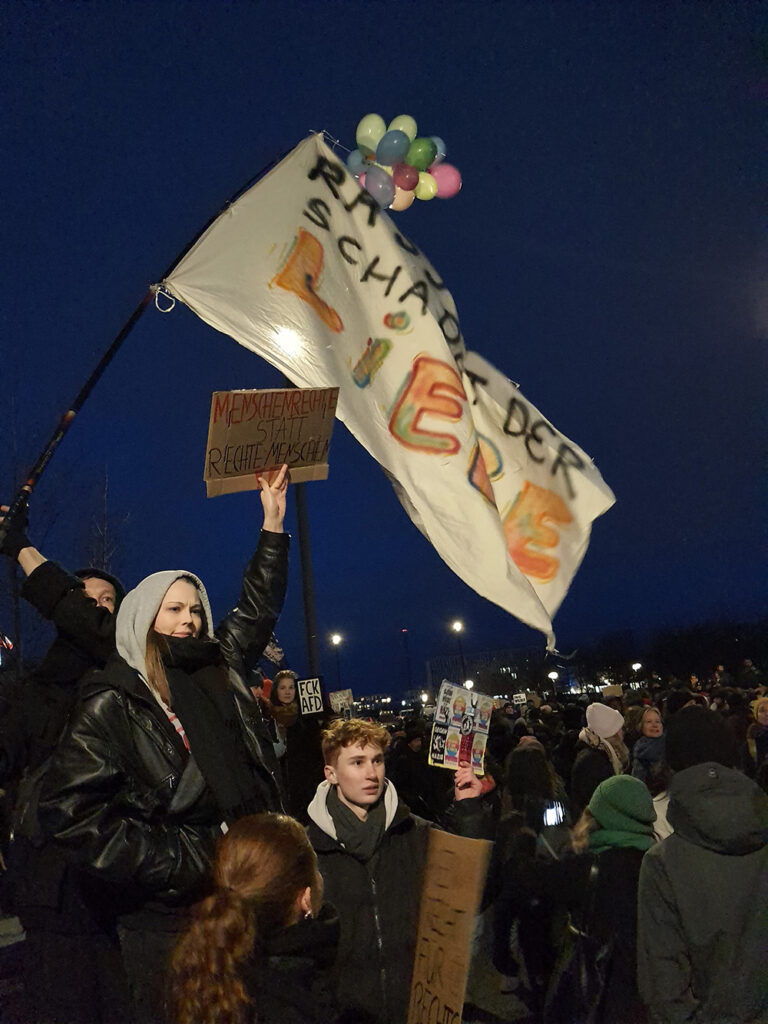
(166, 748)
(259, 946)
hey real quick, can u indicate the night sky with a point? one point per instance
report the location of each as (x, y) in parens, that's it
(606, 252)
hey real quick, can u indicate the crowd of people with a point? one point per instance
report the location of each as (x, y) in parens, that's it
(182, 845)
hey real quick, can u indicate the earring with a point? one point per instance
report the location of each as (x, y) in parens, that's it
(308, 916)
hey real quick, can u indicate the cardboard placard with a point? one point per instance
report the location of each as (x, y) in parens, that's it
(310, 696)
(341, 700)
(613, 690)
(252, 432)
(450, 899)
(460, 729)
(519, 698)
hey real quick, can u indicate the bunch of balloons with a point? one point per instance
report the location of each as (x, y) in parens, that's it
(397, 166)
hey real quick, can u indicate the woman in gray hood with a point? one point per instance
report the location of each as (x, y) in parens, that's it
(165, 750)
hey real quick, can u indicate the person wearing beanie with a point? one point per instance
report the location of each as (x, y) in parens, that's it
(165, 749)
(601, 754)
(702, 959)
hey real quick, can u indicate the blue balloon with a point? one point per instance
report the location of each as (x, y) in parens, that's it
(380, 186)
(440, 146)
(356, 163)
(392, 148)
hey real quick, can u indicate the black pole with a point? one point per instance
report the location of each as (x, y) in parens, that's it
(338, 668)
(404, 635)
(461, 655)
(307, 581)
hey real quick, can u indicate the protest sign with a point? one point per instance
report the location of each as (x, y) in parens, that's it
(519, 698)
(453, 885)
(460, 729)
(613, 690)
(252, 432)
(340, 700)
(310, 694)
(307, 271)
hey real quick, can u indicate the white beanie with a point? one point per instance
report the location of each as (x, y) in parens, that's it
(604, 721)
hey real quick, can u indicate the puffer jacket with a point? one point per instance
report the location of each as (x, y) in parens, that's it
(702, 920)
(123, 795)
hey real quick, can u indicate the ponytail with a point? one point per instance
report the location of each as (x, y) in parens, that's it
(263, 865)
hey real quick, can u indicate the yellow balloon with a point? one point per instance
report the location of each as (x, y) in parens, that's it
(390, 170)
(369, 132)
(403, 199)
(404, 123)
(427, 186)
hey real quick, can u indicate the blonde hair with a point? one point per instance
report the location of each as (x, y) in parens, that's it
(580, 832)
(348, 733)
(263, 865)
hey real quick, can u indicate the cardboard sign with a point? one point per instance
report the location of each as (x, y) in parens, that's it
(519, 698)
(450, 899)
(310, 695)
(341, 700)
(460, 729)
(252, 432)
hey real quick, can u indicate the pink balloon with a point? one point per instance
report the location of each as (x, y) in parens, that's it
(448, 180)
(405, 176)
(361, 180)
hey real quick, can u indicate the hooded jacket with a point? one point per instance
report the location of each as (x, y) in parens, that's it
(702, 917)
(122, 793)
(378, 903)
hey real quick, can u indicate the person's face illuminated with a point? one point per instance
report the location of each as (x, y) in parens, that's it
(181, 611)
(359, 776)
(762, 713)
(101, 591)
(652, 724)
(286, 690)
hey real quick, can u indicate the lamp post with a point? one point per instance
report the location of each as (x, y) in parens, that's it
(469, 683)
(404, 635)
(336, 639)
(458, 627)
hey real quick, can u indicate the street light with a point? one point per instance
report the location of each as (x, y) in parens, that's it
(336, 639)
(424, 698)
(636, 666)
(553, 676)
(469, 683)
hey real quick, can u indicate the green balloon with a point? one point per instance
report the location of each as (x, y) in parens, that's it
(404, 123)
(421, 153)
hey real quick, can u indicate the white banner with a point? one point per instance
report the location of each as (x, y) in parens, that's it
(305, 270)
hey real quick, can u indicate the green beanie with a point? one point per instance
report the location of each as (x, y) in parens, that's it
(623, 804)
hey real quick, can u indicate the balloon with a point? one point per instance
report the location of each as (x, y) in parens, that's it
(369, 131)
(421, 153)
(361, 180)
(403, 199)
(427, 187)
(380, 186)
(440, 146)
(392, 147)
(448, 180)
(356, 163)
(406, 177)
(404, 123)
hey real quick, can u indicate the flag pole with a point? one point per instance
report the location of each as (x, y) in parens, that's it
(66, 420)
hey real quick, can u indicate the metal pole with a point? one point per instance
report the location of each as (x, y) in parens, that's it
(461, 655)
(404, 635)
(307, 581)
(338, 668)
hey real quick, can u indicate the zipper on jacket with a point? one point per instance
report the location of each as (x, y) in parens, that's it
(380, 947)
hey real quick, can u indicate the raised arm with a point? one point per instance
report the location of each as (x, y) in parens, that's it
(16, 544)
(249, 626)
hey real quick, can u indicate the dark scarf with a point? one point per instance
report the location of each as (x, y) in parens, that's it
(359, 838)
(205, 705)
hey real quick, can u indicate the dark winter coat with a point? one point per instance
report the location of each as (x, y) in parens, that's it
(122, 793)
(378, 904)
(703, 925)
(289, 981)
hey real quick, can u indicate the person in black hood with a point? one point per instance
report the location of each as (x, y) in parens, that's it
(702, 922)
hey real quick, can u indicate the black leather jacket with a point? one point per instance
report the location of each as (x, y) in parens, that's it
(123, 795)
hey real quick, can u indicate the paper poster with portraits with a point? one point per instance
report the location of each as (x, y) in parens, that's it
(460, 729)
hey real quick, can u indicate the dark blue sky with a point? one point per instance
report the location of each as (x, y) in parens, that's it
(606, 252)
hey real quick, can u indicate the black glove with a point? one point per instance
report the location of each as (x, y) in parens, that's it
(16, 536)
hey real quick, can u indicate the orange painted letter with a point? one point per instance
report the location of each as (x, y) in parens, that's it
(301, 274)
(527, 532)
(434, 389)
